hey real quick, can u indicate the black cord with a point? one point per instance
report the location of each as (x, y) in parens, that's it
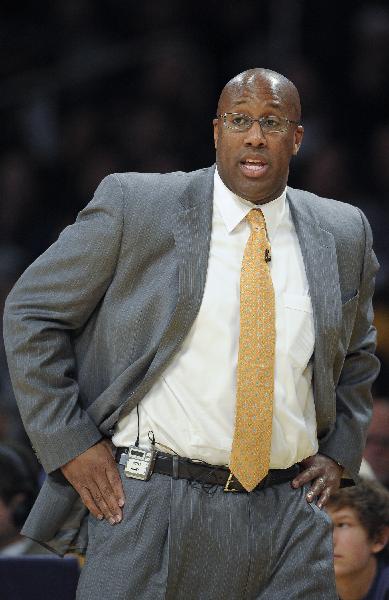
(210, 488)
(137, 439)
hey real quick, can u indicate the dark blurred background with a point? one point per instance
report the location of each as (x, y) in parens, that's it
(92, 87)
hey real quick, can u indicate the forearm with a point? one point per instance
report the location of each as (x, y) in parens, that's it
(359, 371)
(51, 302)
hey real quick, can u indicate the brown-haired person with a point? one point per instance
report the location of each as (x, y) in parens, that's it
(377, 442)
(360, 516)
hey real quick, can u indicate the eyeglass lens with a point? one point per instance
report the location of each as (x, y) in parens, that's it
(242, 122)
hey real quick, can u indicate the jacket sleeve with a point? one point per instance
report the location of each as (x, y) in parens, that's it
(346, 442)
(53, 298)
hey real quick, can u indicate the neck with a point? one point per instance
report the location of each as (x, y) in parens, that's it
(355, 586)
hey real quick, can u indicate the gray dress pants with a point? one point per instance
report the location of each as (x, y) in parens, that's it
(182, 541)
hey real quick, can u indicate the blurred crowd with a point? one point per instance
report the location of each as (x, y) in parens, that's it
(90, 88)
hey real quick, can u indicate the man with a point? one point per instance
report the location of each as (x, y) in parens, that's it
(175, 294)
(377, 442)
(360, 515)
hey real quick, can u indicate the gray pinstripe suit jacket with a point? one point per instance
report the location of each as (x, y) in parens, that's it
(93, 321)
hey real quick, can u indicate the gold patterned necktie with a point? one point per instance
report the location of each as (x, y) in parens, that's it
(250, 453)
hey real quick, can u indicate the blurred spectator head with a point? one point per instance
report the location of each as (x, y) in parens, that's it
(18, 490)
(360, 516)
(175, 69)
(370, 32)
(17, 188)
(329, 174)
(377, 443)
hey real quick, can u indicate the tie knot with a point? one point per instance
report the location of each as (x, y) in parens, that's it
(256, 219)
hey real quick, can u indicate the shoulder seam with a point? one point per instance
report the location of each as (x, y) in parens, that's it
(122, 228)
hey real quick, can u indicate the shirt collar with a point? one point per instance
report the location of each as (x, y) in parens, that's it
(234, 209)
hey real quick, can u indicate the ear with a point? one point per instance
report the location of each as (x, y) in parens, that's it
(381, 540)
(298, 138)
(215, 131)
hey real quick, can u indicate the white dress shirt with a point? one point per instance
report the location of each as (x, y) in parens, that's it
(191, 407)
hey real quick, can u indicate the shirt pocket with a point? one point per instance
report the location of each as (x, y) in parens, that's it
(300, 333)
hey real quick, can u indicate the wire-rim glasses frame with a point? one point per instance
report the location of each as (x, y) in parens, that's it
(268, 124)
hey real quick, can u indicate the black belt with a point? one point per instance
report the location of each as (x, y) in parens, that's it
(185, 468)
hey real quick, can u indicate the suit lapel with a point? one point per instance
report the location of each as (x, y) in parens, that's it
(191, 224)
(320, 261)
(192, 234)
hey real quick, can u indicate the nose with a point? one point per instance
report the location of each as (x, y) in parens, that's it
(255, 136)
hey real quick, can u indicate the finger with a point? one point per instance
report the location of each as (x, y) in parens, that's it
(108, 496)
(332, 486)
(88, 501)
(324, 497)
(317, 488)
(110, 483)
(116, 484)
(306, 476)
(100, 502)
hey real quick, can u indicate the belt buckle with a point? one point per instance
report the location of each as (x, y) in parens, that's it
(229, 482)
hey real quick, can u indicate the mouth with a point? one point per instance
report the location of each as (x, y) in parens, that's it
(253, 167)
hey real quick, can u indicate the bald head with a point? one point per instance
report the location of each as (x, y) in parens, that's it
(248, 82)
(252, 161)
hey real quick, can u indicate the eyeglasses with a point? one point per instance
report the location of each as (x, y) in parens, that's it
(270, 124)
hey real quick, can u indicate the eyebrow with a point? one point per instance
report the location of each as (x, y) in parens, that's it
(272, 104)
(344, 515)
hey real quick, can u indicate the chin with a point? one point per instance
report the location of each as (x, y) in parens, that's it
(341, 570)
(257, 192)
(256, 197)
(249, 190)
